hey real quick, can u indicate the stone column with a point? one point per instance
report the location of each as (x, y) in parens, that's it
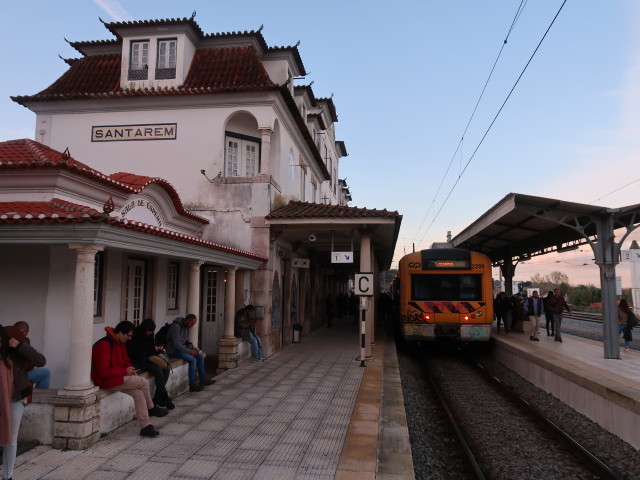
(76, 407)
(81, 331)
(228, 344)
(193, 297)
(265, 148)
(230, 303)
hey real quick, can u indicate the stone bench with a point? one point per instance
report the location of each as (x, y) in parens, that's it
(112, 409)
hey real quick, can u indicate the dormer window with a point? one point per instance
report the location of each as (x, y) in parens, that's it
(166, 68)
(139, 61)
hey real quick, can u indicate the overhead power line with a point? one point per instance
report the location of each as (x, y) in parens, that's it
(473, 113)
(494, 119)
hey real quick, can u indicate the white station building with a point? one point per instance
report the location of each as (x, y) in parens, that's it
(176, 172)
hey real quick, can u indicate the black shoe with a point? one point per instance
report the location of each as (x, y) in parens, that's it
(558, 339)
(196, 388)
(157, 411)
(206, 383)
(536, 339)
(531, 337)
(149, 431)
(170, 405)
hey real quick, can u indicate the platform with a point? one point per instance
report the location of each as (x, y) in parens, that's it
(310, 412)
(576, 372)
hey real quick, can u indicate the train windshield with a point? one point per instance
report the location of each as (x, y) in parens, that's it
(446, 287)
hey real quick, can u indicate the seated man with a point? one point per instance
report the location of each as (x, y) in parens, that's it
(179, 346)
(246, 324)
(111, 369)
(40, 376)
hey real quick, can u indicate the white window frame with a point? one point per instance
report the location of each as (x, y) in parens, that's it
(135, 291)
(242, 155)
(166, 61)
(173, 285)
(139, 52)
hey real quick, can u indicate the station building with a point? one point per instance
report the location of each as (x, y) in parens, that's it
(178, 172)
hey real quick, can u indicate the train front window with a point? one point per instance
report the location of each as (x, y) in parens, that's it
(446, 287)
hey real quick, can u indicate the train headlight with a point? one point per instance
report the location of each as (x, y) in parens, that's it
(466, 318)
(426, 316)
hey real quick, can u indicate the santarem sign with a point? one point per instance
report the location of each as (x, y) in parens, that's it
(123, 133)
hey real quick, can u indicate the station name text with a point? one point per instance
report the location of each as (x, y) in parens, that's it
(122, 133)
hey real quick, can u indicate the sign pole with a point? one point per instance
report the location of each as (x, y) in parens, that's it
(363, 331)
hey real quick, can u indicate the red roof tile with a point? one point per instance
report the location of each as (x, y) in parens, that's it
(213, 70)
(306, 210)
(89, 75)
(54, 209)
(61, 211)
(30, 154)
(227, 68)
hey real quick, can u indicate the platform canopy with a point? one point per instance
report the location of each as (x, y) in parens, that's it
(522, 226)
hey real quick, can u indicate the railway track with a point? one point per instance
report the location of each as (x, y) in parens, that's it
(501, 435)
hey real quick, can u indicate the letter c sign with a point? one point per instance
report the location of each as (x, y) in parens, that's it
(363, 284)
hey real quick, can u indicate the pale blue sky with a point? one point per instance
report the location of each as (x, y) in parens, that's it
(405, 76)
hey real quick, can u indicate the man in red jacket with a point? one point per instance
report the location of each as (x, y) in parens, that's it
(112, 370)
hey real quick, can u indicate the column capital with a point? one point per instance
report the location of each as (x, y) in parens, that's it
(80, 248)
(265, 130)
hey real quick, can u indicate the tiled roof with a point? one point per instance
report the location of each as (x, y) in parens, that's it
(213, 70)
(307, 210)
(226, 68)
(43, 211)
(29, 154)
(60, 211)
(88, 76)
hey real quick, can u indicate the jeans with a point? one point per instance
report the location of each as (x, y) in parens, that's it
(16, 409)
(256, 350)
(557, 320)
(40, 377)
(621, 328)
(198, 361)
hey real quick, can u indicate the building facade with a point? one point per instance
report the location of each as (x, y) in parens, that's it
(250, 187)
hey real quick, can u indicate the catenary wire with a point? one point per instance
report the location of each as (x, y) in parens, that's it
(493, 121)
(475, 108)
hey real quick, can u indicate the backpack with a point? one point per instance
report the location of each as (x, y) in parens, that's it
(161, 336)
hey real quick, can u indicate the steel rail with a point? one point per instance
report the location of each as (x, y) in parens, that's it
(602, 469)
(469, 457)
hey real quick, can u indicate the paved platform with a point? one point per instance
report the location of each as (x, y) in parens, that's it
(310, 412)
(575, 371)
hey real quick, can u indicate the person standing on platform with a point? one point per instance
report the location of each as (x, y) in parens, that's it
(548, 315)
(502, 310)
(624, 326)
(535, 310)
(15, 357)
(557, 304)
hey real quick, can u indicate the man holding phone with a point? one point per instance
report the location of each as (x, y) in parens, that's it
(179, 346)
(111, 369)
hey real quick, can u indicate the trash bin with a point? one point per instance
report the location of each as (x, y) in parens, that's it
(297, 328)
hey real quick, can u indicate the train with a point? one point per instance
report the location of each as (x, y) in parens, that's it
(443, 293)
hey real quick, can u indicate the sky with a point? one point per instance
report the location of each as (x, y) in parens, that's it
(405, 78)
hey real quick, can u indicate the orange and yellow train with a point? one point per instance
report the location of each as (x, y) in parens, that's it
(444, 293)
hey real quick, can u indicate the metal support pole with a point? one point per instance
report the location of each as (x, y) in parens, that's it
(363, 335)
